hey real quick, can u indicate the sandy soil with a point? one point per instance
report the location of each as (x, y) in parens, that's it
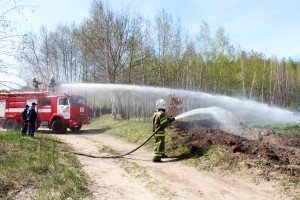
(137, 177)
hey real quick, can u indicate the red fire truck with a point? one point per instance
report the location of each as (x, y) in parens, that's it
(58, 112)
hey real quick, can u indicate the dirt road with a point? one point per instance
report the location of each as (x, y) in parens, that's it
(137, 177)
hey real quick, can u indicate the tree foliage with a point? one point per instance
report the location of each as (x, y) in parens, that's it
(9, 37)
(124, 47)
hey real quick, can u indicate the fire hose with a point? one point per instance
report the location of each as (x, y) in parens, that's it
(117, 156)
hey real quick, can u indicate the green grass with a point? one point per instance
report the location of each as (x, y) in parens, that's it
(41, 166)
(291, 184)
(108, 149)
(129, 130)
(209, 158)
(288, 129)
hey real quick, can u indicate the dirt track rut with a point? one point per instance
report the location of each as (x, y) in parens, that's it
(136, 177)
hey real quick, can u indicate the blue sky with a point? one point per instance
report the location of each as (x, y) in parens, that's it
(271, 27)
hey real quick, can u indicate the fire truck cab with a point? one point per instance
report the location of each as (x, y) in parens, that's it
(58, 112)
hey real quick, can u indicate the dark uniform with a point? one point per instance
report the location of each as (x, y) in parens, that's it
(52, 85)
(24, 120)
(160, 122)
(32, 116)
(36, 84)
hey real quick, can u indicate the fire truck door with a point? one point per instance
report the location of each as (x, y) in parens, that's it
(2, 108)
(63, 107)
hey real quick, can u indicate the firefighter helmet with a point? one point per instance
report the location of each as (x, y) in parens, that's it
(161, 104)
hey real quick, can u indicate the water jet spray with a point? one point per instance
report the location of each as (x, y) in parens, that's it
(139, 100)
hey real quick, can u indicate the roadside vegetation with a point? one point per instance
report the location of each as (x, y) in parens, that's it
(39, 168)
(129, 130)
(291, 130)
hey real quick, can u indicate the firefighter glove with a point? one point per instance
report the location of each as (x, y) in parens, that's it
(171, 119)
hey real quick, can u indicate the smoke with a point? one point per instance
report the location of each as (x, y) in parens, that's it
(141, 100)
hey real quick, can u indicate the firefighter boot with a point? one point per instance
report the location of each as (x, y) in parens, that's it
(164, 156)
(156, 159)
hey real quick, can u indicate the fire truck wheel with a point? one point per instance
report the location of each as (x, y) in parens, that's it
(74, 129)
(11, 125)
(58, 126)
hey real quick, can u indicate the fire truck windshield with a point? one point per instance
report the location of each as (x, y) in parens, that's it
(77, 101)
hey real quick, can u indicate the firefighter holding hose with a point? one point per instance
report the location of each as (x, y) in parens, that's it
(36, 84)
(52, 85)
(160, 122)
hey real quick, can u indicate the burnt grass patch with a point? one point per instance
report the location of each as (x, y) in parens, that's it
(273, 150)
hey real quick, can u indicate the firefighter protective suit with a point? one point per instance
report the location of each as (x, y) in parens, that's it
(160, 122)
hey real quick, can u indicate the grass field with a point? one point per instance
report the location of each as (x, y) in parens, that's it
(288, 129)
(39, 168)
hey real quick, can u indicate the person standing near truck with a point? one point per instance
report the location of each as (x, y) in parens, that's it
(24, 120)
(32, 116)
